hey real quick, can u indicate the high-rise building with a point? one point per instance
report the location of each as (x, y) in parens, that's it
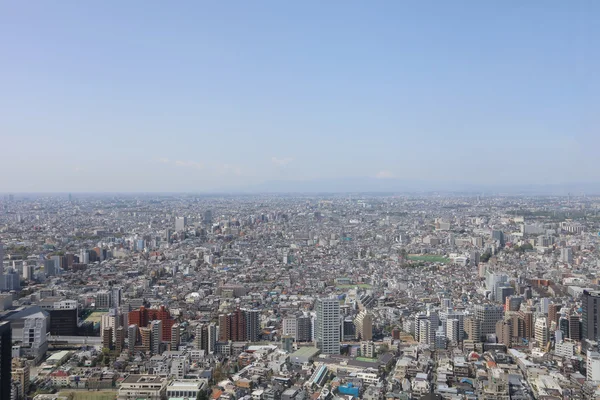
(512, 303)
(566, 255)
(252, 325)
(35, 338)
(143, 316)
(590, 315)
(132, 336)
(207, 217)
(553, 314)
(472, 328)
(49, 268)
(238, 326)
(28, 271)
(544, 305)
(103, 299)
(304, 329)
(289, 326)
(503, 292)
(224, 327)
(212, 338)
(542, 333)
(364, 326)
(110, 320)
(180, 224)
(11, 280)
(116, 296)
(146, 335)
(201, 338)
(528, 323)
(1, 258)
(504, 331)
(563, 325)
(107, 338)
(63, 317)
(5, 360)
(120, 339)
(426, 332)
(493, 281)
(499, 236)
(175, 337)
(575, 325)
(21, 374)
(593, 366)
(487, 315)
(156, 336)
(327, 325)
(452, 330)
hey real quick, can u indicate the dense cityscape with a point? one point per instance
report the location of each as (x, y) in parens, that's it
(299, 297)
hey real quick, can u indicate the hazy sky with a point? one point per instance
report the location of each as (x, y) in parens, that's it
(210, 95)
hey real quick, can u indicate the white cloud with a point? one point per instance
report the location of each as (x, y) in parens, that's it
(163, 160)
(189, 164)
(78, 169)
(281, 161)
(384, 174)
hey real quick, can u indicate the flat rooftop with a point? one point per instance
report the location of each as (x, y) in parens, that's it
(135, 378)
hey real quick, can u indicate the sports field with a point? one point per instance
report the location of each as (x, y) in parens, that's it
(360, 285)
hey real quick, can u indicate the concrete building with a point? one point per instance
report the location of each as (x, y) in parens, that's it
(487, 315)
(590, 304)
(542, 332)
(327, 325)
(364, 326)
(156, 336)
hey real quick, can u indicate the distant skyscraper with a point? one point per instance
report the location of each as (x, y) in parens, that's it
(49, 268)
(180, 223)
(474, 258)
(566, 255)
(328, 325)
(499, 236)
(207, 218)
(28, 271)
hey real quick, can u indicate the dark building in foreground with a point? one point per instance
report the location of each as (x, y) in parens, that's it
(5, 359)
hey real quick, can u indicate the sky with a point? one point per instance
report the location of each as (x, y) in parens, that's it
(201, 96)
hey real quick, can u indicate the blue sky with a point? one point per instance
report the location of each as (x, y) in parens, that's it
(204, 96)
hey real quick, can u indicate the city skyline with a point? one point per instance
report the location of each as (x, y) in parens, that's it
(210, 98)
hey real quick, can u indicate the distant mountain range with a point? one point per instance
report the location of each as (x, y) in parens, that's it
(392, 185)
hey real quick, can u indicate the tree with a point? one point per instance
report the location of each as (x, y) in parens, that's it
(202, 395)
(485, 257)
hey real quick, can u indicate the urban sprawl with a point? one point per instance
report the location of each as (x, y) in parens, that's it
(298, 297)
